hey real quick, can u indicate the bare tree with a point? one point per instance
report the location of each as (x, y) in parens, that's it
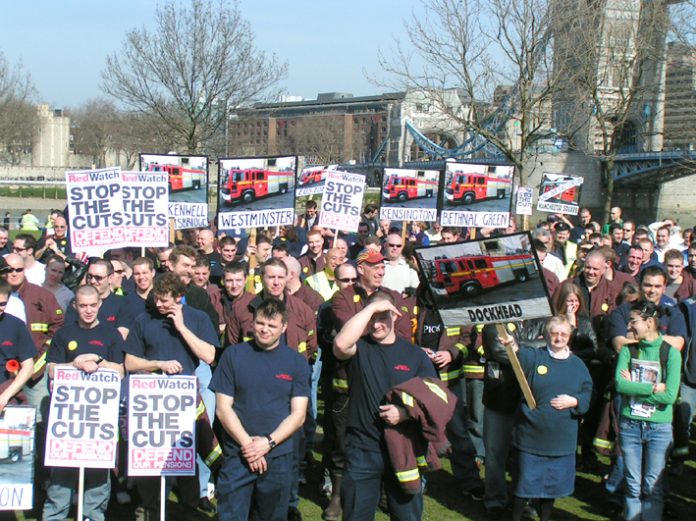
(93, 126)
(615, 100)
(484, 46)
(19, 120)
(195, 65)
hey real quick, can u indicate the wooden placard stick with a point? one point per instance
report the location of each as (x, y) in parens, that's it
(516, 367)
(404, 225)
(250, 285)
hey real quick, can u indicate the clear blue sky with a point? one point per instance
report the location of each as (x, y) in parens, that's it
(63, 44)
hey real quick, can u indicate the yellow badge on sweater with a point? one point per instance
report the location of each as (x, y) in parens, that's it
(542, 370)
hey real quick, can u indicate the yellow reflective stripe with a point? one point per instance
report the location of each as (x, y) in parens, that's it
(473, 369)
(310, 332)
(59, 311)
(480, 350)
(200, 409)
(479, 328)
(436, 389)
(39, 327)
(247, 338)
(453, 331)
(462, 348)
(407, 399)
(408, 475)
(603, 444)
(421, 461)
(451, 375)
(39, 363)
(302, 347)
(339, 383)
(356, 298)
(213, 456)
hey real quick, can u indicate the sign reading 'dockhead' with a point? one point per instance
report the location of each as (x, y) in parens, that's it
(341, 202)
(161, 425)
(477, 196)
(17, 424)
(409, 195)
(559, 193)
(485, 281)
(83, 419)
(187, 178)
(256, 191)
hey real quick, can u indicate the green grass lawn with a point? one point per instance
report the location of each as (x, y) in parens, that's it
(444, 501)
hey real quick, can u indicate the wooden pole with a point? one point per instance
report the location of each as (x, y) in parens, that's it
(335, 238)
(516, 367)
(250, 285)
(404, 234)
(80, 493)
(163, 497)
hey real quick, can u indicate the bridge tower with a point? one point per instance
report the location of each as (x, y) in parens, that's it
(614, 57)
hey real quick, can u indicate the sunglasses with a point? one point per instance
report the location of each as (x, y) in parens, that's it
(97, 278)
(15, 270)
(349, 279)
(18, 249)
(395, 245)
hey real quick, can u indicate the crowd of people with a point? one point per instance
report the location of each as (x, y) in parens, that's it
(276, 322)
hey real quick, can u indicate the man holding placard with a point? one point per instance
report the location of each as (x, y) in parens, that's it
(88, 345)
(172, 338)
(257, 383)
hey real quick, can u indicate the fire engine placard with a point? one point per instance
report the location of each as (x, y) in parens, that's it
(312, 179)
(477, 196)
(409, 195)
(559, 193)
(485, 281)
(17, 425)
(187, 177)
(341, 202)
(83, 419)
(162, 425)
(256, 192)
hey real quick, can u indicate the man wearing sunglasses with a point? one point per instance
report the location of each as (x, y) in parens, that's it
(24, 246)
(398, 275)
(114, 309)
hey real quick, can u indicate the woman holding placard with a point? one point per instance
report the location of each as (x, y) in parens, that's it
(546, 435)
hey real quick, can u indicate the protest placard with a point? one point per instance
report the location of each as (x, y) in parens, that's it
(187, 177)
(409, 195)
(524, 200)
(559, 193)
(83, 419)
(161, 425)
(17, 424)
(145, 220)
(485, 281)
(256, 191)
(477, 195)
(341, 202)
(95, 208)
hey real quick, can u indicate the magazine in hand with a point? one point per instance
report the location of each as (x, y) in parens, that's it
(643, 371)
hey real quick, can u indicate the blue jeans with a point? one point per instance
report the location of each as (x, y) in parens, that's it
(497, 438)
(63, 482)
(360, 491)
(645, 448)
(463, 457)
(238, 486)
(205, 374)
(474, 403)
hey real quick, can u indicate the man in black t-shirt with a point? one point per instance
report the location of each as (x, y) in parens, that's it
(262, 390)
(378, 362)
(87, 345)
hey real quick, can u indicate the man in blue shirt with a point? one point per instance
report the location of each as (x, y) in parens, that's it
(262, 391)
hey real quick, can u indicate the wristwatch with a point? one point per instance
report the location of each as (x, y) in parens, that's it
(99, 360)
(271, 442)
